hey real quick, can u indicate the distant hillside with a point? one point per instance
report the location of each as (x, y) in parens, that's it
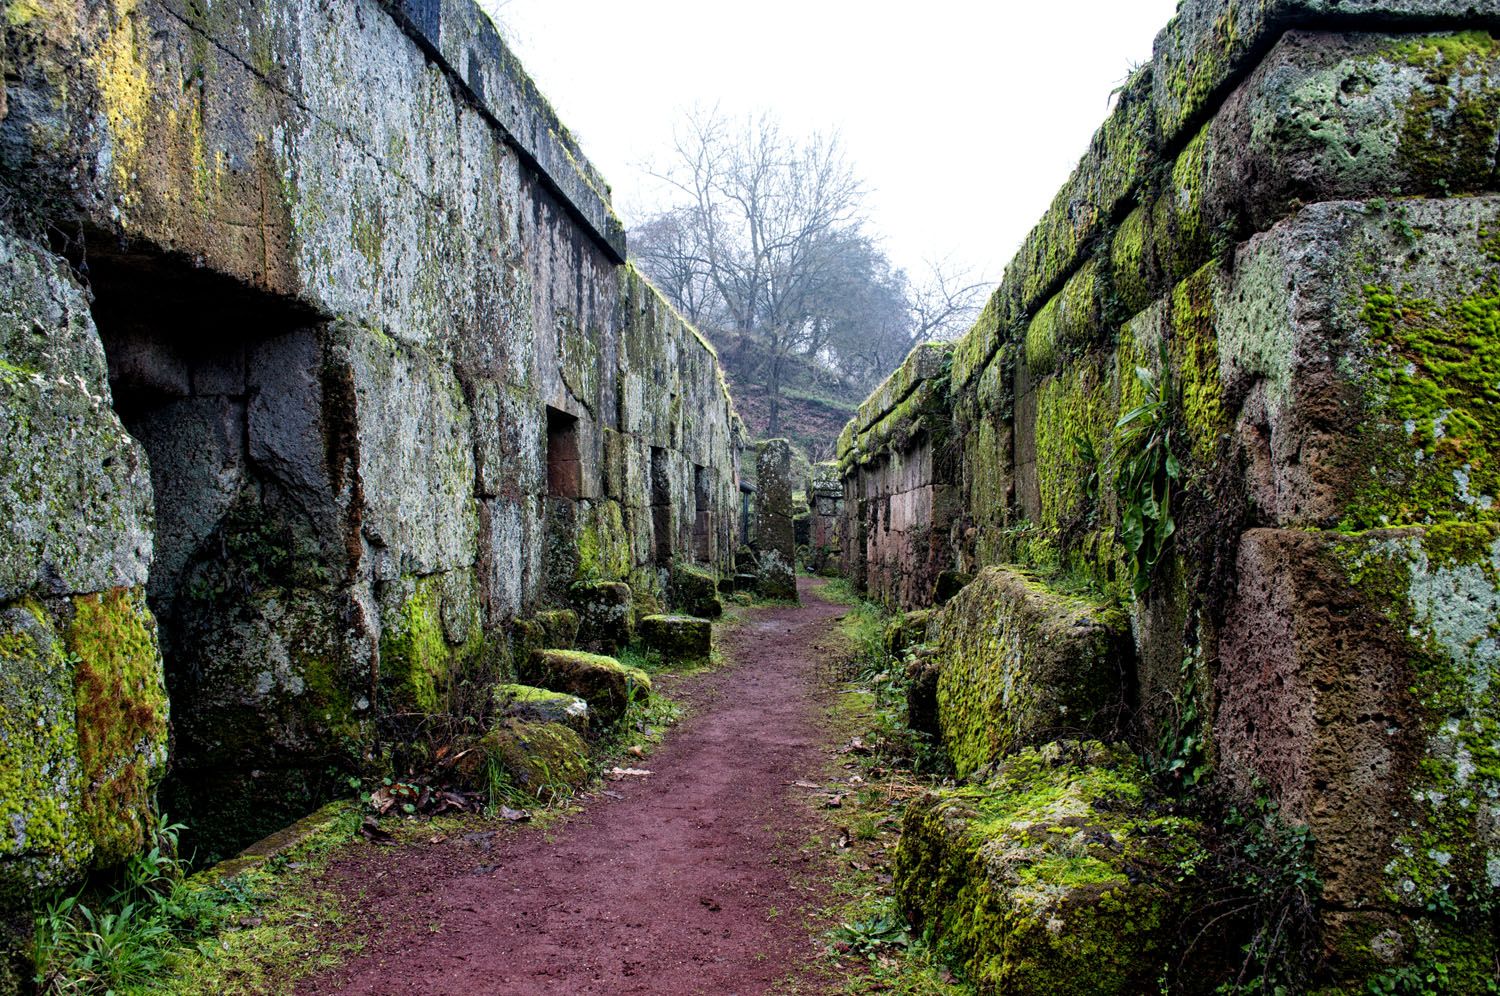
(814, 408)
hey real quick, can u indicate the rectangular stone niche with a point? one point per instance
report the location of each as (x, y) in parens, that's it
(243, 417)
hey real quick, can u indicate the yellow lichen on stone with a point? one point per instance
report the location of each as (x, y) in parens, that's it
(124, 82)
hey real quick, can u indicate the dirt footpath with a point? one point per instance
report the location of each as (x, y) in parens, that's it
(690, 881)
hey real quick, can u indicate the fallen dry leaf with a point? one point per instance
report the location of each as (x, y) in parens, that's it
(628, 772)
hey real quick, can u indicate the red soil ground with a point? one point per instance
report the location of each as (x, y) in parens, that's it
(690, 881)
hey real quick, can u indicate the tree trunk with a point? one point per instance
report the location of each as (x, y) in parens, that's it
(773, 429)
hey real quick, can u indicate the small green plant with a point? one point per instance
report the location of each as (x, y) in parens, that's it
(1146, 472)
(1268, 888)
(1180, 753)
(874, 935)
(1086, 454)
(124, 935)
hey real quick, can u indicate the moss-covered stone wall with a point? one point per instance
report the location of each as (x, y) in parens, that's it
(294, 300)
(1277, 264)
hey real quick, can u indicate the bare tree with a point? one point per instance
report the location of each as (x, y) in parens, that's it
(757, 232)
(946, 303)
(763, 246)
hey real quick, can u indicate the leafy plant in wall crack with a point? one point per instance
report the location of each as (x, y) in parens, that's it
(1146, 473)
(1181, 756)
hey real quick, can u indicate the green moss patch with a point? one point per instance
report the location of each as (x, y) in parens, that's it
(122, 717)
(1057, 873)
(41, 796)
(1436, 374)
(1021, 663)
(415, 658)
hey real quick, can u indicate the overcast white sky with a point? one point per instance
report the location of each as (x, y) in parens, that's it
(964, 117)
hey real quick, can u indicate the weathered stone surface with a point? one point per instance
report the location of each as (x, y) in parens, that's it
(606, 621)
(776, 544)
(75, 497)
(896, 522)
(559, 627)
(1023, 664)
(679, 639)
(1356, 685)
(542, 706)
(543, 760)
(1357, 335)
(1053, 873)
(1284, 235)
(336, 320)
(603, 682)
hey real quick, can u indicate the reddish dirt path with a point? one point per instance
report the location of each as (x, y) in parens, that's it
(690, 882)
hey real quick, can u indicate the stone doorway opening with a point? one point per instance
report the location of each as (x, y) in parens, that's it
(227, 390)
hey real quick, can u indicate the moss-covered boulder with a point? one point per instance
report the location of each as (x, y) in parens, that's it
(604, 683)
(906, 631)
(1023, 664)
(545, 760)
(1055, 874)
(606, 622)
(541, 706)
(695, 592)
(679, 639)
(83, 737)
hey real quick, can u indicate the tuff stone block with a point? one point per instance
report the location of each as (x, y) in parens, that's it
(776, 544)
(559, 627)
(1053, 873)
(1023, 664)
(606, 620)
(603, 682)
(1354, 688)
(543, 760)
(694, 591)
(679, 639)
(538, 705)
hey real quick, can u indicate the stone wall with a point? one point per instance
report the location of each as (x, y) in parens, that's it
(1286, 225)
(320, 367)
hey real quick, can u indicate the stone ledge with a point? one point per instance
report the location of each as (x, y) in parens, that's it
(461, 38)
